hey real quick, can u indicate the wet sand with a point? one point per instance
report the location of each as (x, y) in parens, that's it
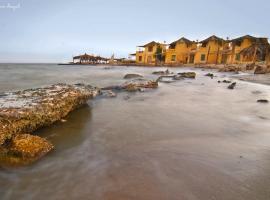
(190, 140)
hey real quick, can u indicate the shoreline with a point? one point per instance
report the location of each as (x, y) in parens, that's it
(17, 123)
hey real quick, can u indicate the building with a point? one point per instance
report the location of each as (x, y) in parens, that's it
(208, 51)
(213, 50)
(178, 51)
(151, 53)
(89, 59)
(248, 49)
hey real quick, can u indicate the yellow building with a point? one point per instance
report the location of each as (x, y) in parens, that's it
(247, 49)
(208, 51)
(178, 51)
(151, 53)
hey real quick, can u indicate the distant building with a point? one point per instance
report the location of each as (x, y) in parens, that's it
(89, 59)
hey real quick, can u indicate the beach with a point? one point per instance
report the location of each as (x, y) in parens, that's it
(189, 139)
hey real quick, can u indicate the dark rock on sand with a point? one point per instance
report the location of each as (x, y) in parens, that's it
(210, 75)
(191, 75)
(166, 72)
(130, 76)
(232, 86)
(226, 81)
(263, 101)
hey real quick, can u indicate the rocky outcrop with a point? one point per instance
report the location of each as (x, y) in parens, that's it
(260, 69)
(177, 77)
(162, 73)
(210, 75)
(191, 75)
(263, 101)
(134, 85)
(131, 76)
(232, 86)
(26, 111)
(139, 85)
(231, 68)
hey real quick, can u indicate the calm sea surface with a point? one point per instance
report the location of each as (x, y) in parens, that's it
(187, 140)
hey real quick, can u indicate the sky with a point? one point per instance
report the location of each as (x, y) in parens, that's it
(53, 31)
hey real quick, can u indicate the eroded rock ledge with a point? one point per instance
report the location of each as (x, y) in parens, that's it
(25, 111)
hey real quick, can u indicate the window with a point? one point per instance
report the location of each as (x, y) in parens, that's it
(140, 58)
(237, 57)
(150, 49)
(173, 58)
(203, 57)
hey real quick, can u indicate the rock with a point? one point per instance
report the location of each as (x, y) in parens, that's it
(178, 77)
(26, 111)
(263, 101)
(137, 84)
(230, 68)
(166, 79)
(226, 81)
(259, 69)
(130, 76)
(63, 120)
(232, 86)
(191, 75)
(250, 66)
(210, 75)
(166, 72)
(29, 146)
(219, 81)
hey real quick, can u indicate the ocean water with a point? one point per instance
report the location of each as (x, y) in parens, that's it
(190, 140)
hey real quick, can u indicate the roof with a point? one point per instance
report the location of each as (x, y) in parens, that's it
(252, 38)
(183, 39)
(87, 56)
(82, 56)
(153, 43)
(213, 37)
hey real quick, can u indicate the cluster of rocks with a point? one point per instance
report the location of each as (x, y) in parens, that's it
(162, 73)
(168, 77)
(23, 112)
(134, 85)
(261, 69)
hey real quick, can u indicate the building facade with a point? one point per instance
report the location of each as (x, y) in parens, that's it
(151, 53)
(213, 50)
(178, 51)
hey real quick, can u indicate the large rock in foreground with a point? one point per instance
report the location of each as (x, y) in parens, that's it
(26, 111)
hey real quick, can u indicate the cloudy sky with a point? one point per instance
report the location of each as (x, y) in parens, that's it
(54, 30)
